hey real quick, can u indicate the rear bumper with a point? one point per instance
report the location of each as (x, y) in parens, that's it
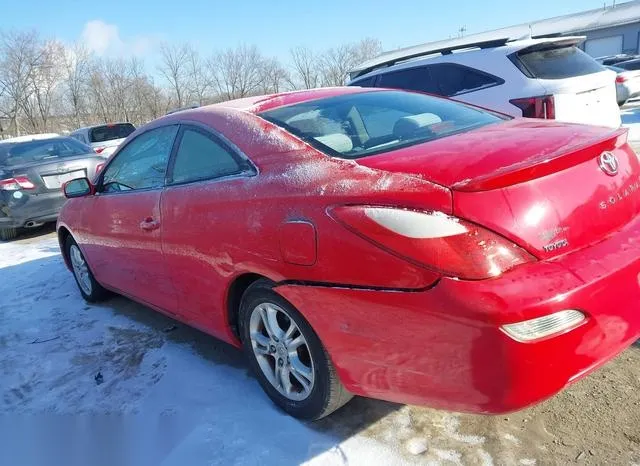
(18, 209)
(443, 347)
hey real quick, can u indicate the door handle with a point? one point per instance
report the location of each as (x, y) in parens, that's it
(149, 224)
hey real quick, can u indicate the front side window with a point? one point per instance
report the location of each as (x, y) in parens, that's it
(200, 157)
(141, 164)
(391, 120)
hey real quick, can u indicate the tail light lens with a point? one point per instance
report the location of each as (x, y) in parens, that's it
(434, 240)
(16, 183)
(620, 79)
(98, 150)
(540, 327)
(536, 107)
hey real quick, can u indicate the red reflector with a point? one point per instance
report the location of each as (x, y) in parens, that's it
(99, 149)
(620, 79)
(16, 183)
(536, 107)
(434, 240)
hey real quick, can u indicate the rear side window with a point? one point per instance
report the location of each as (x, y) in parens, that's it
(200, 157)
(366, 82)
(390, 120)
(445, 79)
(412, 79)
(110, 132)
(558, 63)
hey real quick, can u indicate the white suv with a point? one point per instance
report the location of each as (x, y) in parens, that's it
(537, 78)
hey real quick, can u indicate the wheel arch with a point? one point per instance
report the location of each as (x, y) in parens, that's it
(63, 233)
(235, 291)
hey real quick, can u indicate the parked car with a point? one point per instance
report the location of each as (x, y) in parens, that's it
(615, 59)
(104, 139)
(31, 176)
(30, 137)
(536, 78)
(630, 65)
(375, 242)
(627, 84)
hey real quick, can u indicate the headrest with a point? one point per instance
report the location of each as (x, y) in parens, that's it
(407, 127)
(336, 141)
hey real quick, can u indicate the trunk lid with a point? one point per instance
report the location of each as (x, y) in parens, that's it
(49, 175)
(536, 182)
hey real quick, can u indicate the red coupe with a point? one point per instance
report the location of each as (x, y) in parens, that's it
(374, 242)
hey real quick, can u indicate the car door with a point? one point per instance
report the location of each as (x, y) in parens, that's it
(124, 228)
(206, 187)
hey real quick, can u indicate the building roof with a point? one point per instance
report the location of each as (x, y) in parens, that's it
(599, 18)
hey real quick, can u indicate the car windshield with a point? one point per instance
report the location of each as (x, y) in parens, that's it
(33, 151)
(357, 125)
(110, 132)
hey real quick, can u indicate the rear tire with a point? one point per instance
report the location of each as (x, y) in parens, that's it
(7, 234)
(90, 289)
(287, 356)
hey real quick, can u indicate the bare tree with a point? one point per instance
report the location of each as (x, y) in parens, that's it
(21, 55)
(239, 72)
(306, 68)
(338, 61)
(77, 67)
(174, 68)
(274, 77)
(45, 82)
(199, 77)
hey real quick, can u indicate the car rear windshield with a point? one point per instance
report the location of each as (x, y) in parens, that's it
(110, 132)
(356, 125)
(558, 62)
(45, 149)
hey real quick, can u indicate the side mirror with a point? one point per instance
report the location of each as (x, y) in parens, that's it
(78, 188)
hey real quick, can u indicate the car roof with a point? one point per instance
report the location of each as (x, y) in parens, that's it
(451, 47)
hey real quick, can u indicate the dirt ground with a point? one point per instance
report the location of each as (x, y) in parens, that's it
(595, 421)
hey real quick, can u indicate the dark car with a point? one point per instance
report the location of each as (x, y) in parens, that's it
(31, 176)
(615, 59)
(630, 65)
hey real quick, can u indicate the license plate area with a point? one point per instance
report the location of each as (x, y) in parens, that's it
(56, 181)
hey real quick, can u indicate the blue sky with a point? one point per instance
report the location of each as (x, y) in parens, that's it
(118, 27)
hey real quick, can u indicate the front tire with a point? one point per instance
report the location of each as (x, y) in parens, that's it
(287, 356)
(90, 289)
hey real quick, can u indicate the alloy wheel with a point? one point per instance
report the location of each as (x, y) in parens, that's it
(282, 352)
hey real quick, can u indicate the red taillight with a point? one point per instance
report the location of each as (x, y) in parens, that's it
(434, 240)
(620, 78)
(99, 167)
(16, 183)
(536, 107)
(99, 149)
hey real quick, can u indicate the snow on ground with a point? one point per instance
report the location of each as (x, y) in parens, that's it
(174, 397)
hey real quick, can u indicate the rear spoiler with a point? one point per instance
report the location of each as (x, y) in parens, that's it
(553, 43)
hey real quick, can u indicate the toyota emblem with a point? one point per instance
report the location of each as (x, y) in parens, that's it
(608, 163)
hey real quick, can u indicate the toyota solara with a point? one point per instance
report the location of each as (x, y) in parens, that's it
(374, 242)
